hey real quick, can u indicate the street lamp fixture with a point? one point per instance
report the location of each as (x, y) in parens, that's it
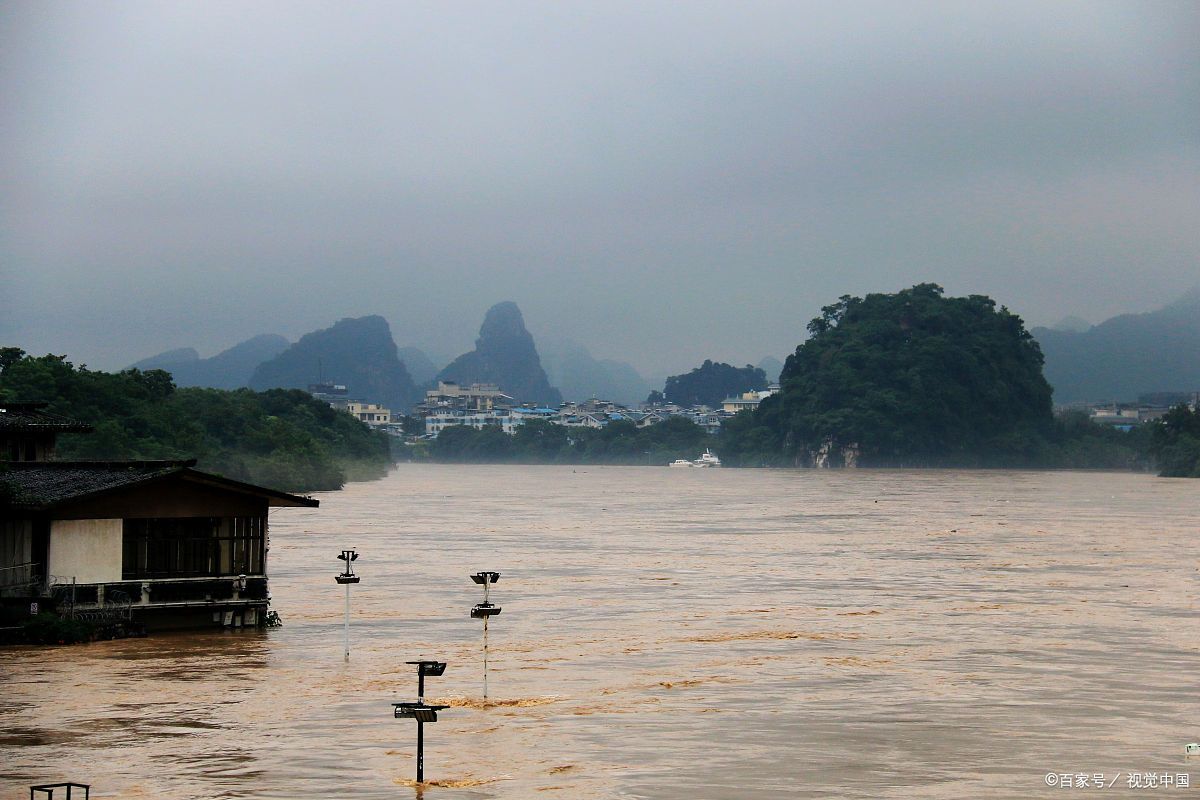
(485, 611)
(346, 578)
(349, 556)
(432, 669)
(421, 711)
(485, 578)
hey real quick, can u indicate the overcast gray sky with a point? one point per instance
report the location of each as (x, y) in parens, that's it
(662, 182)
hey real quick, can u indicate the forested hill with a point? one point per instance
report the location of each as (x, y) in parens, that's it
(578, 375)
(357, 352)
(710, 383)
(505, 355)
(913, 378)
(283, 439)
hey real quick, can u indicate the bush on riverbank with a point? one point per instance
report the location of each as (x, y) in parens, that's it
(1176, 443)
(47, 628)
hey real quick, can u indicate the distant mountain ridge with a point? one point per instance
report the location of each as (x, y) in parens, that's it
(1127, 355)
(771, 367)
(420, 367)
(505, 355)
(580, 376)
(229, 369)
(358, 352)
(180, 355)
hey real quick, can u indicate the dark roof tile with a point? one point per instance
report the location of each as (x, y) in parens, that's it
(40, 485)
(33, 416)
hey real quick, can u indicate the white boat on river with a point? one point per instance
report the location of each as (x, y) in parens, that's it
(707, 459)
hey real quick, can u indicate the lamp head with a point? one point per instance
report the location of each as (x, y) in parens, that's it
(482, 610)
(432, 669)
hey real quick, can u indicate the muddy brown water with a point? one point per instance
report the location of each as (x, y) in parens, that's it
(666, 634)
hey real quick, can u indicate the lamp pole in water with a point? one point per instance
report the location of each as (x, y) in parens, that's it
(483, 611)
(419, 711)
(346, 578)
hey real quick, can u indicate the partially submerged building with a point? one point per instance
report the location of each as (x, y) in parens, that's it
(159, 541)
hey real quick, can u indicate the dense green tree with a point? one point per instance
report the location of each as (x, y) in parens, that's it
(1175, 442)
(8, 356)
(712, 382)
(466, 444)
(413, 425)
(911, 378)
(541, 441)
(1078, 443)
(746, 442)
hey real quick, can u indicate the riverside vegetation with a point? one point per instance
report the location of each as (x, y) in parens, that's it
(281, 438)
(912, 379)
(1176, 443)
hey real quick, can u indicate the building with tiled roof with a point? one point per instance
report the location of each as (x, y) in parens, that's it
(28, 431)
(158, 543)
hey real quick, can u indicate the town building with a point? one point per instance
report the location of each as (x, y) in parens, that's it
(748, 400)
(710, 421)
(524, 413)
(335, 394)
(476, 406)
(442, 418)
(373, 414)
(481, 405)
(476, 397)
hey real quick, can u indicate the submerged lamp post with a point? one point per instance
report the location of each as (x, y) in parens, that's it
(483, 611)
(419, 710)
(346, 578)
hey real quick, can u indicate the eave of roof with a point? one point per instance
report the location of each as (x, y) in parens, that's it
(43, 485)
(274, 497)
(33, 417)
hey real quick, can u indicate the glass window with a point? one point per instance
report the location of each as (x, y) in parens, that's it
(192, 547)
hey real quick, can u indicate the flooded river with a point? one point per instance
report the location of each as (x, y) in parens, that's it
(667, 634)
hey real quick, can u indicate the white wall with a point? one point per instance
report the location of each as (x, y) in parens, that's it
(89, 549)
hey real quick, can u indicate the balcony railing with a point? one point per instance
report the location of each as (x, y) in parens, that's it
(155, 592)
